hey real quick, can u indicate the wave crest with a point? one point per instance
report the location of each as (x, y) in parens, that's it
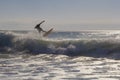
(94, 48)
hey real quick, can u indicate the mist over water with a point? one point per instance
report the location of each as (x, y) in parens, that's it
(92, 55)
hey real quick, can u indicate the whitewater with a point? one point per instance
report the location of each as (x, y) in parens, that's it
(80, 55)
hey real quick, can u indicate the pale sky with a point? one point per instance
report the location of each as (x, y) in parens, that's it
(64, 15)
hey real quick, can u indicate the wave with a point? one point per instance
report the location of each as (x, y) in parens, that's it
(10, 43)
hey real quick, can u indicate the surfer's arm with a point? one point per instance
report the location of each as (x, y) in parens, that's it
(38, 25)
(41, 22)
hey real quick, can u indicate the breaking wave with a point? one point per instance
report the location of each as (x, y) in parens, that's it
(10, 43)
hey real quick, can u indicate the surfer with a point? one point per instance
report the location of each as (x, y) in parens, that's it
(46, 33)
(39, 28)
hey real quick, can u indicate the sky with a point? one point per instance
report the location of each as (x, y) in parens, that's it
(64, 15)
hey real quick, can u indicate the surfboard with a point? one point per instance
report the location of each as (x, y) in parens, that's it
(48, 32)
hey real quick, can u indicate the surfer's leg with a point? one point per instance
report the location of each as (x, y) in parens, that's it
(44, 31)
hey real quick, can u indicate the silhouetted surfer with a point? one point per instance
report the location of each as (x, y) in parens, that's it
(39, 28)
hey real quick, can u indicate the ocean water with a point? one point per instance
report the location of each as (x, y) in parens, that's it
(82, 55)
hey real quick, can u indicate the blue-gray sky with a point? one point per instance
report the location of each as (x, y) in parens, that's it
(60, 14)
